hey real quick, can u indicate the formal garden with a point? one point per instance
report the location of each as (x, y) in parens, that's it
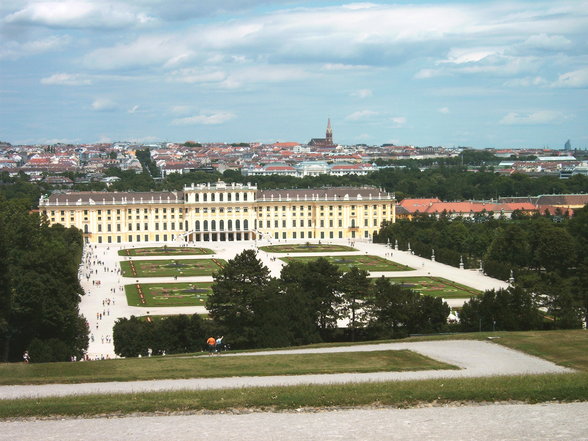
(363, 262)
(171, 268)
(165, 251)
(168, 294)
(306, 248)
(435, 287)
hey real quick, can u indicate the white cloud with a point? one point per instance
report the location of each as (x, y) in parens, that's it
(362, 93)
(526, 82)
(444, 110)
(398, 121)
(361, 115)
(64, 79)
(133, 109)
(104, 105)
(78, 14)
(577, 78)
(546, 42)
(533, 118)
(204, 119)
(14, 50)
(198, 76)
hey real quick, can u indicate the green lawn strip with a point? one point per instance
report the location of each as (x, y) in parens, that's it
(214, 367)
(165, 251)
(306, 248)
(528, 389)
(367, 262)
(171, 268)
(168, 294)
(436, 287)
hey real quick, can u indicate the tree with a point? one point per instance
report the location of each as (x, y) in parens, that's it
(386, 310)
(511, 309)
(234, 291)
(354, 288)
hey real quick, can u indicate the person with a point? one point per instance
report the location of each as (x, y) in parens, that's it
(26, 357)
(219, 344)
(211, 342)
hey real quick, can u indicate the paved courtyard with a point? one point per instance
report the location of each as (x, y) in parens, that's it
(105, 300)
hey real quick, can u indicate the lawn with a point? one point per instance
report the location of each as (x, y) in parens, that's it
(165, 251)
(133, 369)
(171, 268)
(367, 262)
(305, 248)
(168, 294)
(435, 287)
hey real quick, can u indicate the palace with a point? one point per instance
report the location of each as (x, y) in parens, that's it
(222, 212)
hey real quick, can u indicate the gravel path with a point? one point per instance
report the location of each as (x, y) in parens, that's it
(475, 358)
(481, 423)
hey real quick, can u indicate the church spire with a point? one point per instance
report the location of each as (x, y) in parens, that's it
(329, 132)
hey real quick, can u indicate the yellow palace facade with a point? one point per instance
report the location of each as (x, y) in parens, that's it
(222, 212)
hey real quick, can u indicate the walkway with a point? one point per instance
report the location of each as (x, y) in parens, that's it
(564, 422)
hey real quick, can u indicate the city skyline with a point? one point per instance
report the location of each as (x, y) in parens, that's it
(496, 74)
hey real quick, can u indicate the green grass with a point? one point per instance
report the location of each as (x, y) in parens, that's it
(367, 262)
(164, 251)
(529, 389)
(305, 248)
(168, 294)
(436, 287)
(217, 366)
(170, 268)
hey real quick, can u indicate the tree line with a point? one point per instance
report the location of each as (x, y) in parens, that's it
(547, 255)
(39, 287)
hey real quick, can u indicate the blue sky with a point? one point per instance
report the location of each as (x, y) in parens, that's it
(509, 74)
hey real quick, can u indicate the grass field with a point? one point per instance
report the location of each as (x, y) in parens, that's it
(367, 262)
(168, 294)
(305, 248)
(567, 348)
(436, 287)
(170, 268)
(213, 367)
(165, 251)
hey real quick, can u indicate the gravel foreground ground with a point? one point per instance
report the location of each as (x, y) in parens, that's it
(474, 358)
(520, 422)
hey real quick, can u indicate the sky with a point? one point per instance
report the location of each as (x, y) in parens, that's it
(502, 74)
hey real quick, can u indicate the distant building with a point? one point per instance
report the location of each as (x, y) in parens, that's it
(327, 141)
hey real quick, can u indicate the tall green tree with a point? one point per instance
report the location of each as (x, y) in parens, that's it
(234, 292)
(354, 289)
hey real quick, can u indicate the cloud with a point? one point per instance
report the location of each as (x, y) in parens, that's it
(362, 93)
(204, 119)
(361, 115)
(64, 79)
(575, 79)
(104, 105)
(444, 110)
(14, 49)
(533, 118)
(398, 121)
(526, 82)
(78, 14)
(133, 109)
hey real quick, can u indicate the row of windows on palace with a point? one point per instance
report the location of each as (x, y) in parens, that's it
(210, 236)
(268, 209)
(212, 226)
